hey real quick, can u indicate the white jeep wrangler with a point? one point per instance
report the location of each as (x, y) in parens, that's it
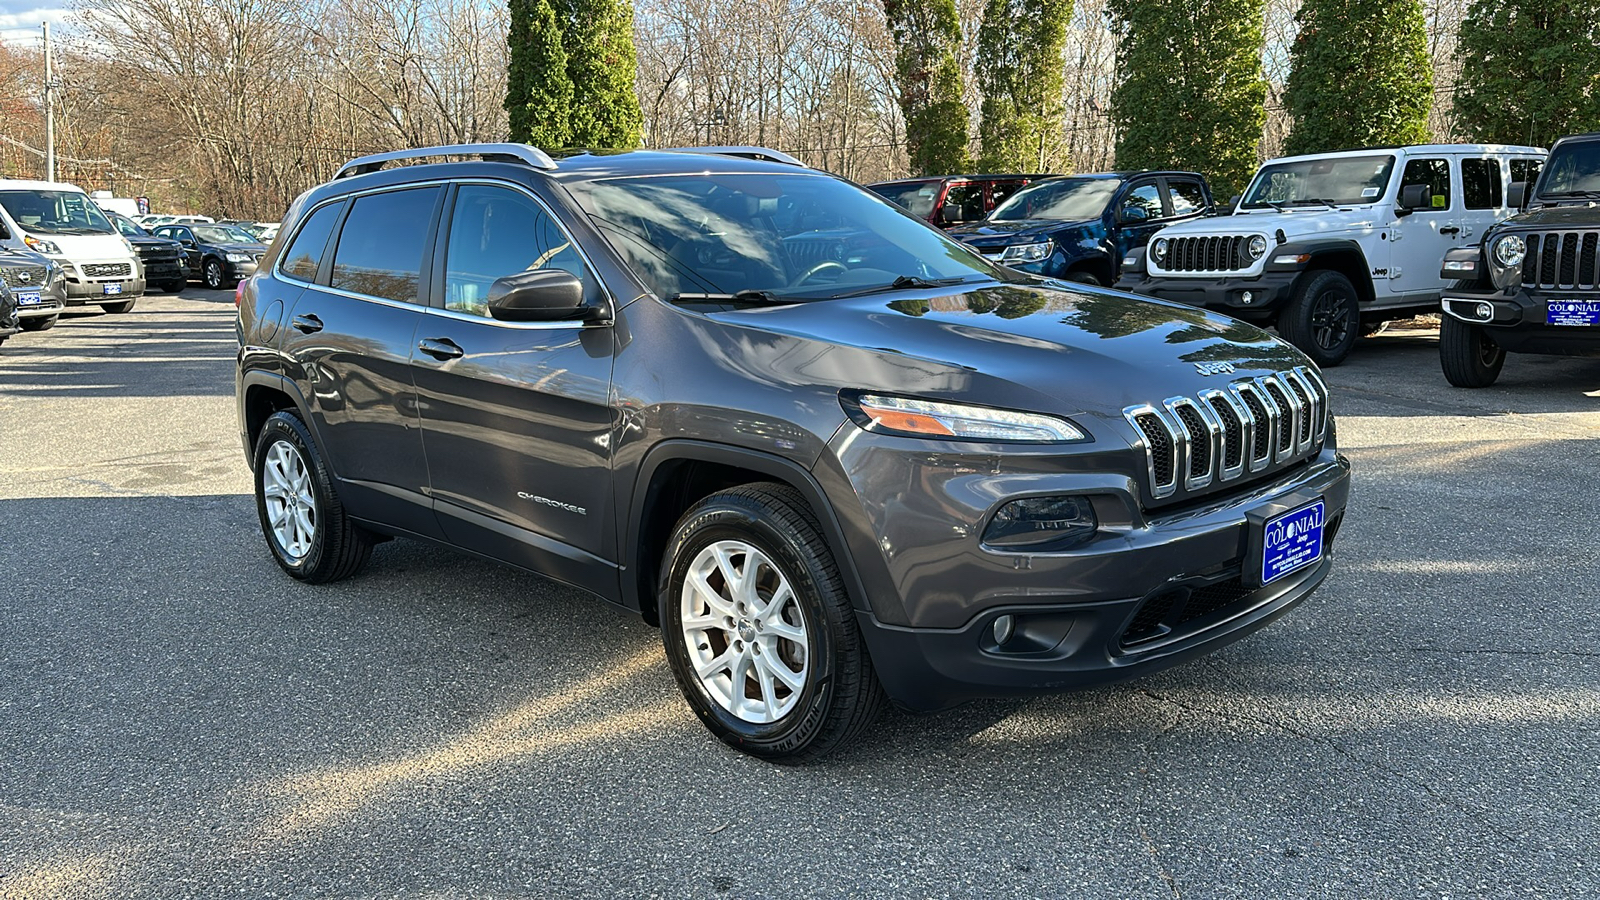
(1324, 245)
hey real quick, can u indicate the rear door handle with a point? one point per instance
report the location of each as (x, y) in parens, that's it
(307, 324)
(440, 348)
(1450, 229)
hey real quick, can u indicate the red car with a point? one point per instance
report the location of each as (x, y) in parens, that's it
(952, 199)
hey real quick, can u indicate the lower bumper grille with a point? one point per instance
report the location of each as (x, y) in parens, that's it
(1172, 609)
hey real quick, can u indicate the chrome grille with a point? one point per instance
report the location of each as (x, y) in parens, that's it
(24, 276)
(1245, 428)
(1559, 260)
(1209, 253)
(108, 270)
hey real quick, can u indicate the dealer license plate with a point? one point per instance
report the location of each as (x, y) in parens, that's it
(1292, 541)
(1573, 312)
(112, 288)
(29, 298)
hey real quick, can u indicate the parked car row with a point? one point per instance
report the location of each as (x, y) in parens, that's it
(1326, 247)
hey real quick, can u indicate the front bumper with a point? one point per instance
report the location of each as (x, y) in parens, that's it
(1267, 291)
(1154, 587)
(165, 271)
(48, 306)
(1520, 320)
(238, 271)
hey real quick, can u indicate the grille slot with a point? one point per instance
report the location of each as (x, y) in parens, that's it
(108, 270)
(1253, 425)
(1562, 260)
(1209, 253)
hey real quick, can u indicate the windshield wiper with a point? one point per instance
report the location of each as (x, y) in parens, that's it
(764, 298)
(1587, 195)
(902, 283)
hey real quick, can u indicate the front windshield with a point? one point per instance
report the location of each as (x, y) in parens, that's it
(127, 226)
(1573, 170)
(1342, 181)
(1058, 200)
(917, 197)
(800, 236)
(222, 234)
(56, 212)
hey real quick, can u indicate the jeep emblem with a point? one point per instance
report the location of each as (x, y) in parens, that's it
(1214, 368)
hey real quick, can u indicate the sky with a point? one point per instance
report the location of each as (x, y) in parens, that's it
(19, 19)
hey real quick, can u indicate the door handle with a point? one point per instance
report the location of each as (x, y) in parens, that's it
(440, 348)
(1450, 229)
(307, 324)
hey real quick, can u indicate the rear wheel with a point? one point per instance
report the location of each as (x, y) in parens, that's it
(1322, 318)
(1469, 356)
(41, 323)
(304, 523)
(759, 632)
(121, 306)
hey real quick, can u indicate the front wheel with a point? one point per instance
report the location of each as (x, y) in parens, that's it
(40, 323)
(305, 525)
(758, 629)
(1469, 356)
(1322, 318)
(213, 275)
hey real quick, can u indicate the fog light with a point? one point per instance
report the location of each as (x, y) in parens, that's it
(1004, 628)
(1485, 312)
(1041, 524)
(1246, 297)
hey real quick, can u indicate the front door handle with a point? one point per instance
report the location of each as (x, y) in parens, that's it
(307, 324)
(440, 348)
(1450, 229)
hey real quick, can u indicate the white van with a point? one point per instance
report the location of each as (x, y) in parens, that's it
(61, 222)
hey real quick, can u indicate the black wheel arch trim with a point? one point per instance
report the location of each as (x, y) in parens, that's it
(678, 450)
(257, 378)
(1321, 249)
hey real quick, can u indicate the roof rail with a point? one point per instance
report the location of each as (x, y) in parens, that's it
(761, 153)
(520, 153)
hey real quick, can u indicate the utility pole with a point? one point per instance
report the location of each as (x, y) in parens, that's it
(49, 110)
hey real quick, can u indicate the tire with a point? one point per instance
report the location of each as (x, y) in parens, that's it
(1323, 318)
(119, 307)
(303, 496)
(1469, 356)
(1082, 276)
(212, 275)
(834, 693)
(41, 323)
(175, 287)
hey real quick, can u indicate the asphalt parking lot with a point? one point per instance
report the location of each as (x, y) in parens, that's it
(179, 719)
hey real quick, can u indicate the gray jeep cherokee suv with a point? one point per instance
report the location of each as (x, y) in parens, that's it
(836, 456)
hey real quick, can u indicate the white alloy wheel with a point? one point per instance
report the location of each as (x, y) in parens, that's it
(291, 503)
(745, 632)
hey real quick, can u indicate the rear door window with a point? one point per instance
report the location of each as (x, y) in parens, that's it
(304, 257)
(381, 245)
(1481, 184)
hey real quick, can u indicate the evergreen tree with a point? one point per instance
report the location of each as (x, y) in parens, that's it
(1190, 93)
(1360, 75)
(538, 91)
(927, 38)
(1019, 69)
(603, 66)
(1529, 70)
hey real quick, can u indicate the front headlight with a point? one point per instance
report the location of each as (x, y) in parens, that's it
(1510, 251)
(956, 421)
(1257, 247)
(1027, 253)
(1159, 250)
(39, 246)
(238, 257)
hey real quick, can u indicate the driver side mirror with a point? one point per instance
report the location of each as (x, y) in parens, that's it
(951, 214)
(1134, 214)
(1517, 195)
(543, 295)
(1414, 197)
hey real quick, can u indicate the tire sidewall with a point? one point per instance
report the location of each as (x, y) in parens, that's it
(210, 266)
(727, 519)
(1304, 332)
(288, 428)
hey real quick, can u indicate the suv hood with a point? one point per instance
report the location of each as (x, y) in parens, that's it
(87, 247)
(1007, 230)
(1579, 215)
(252, 249)
(1295, 224)
(1032, 347)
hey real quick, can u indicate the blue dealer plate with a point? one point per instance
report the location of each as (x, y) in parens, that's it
(1572, 312)
(112, 288)
(29, 298)
(1292, 541)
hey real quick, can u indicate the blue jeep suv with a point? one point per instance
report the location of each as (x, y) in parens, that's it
(1079, 227)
